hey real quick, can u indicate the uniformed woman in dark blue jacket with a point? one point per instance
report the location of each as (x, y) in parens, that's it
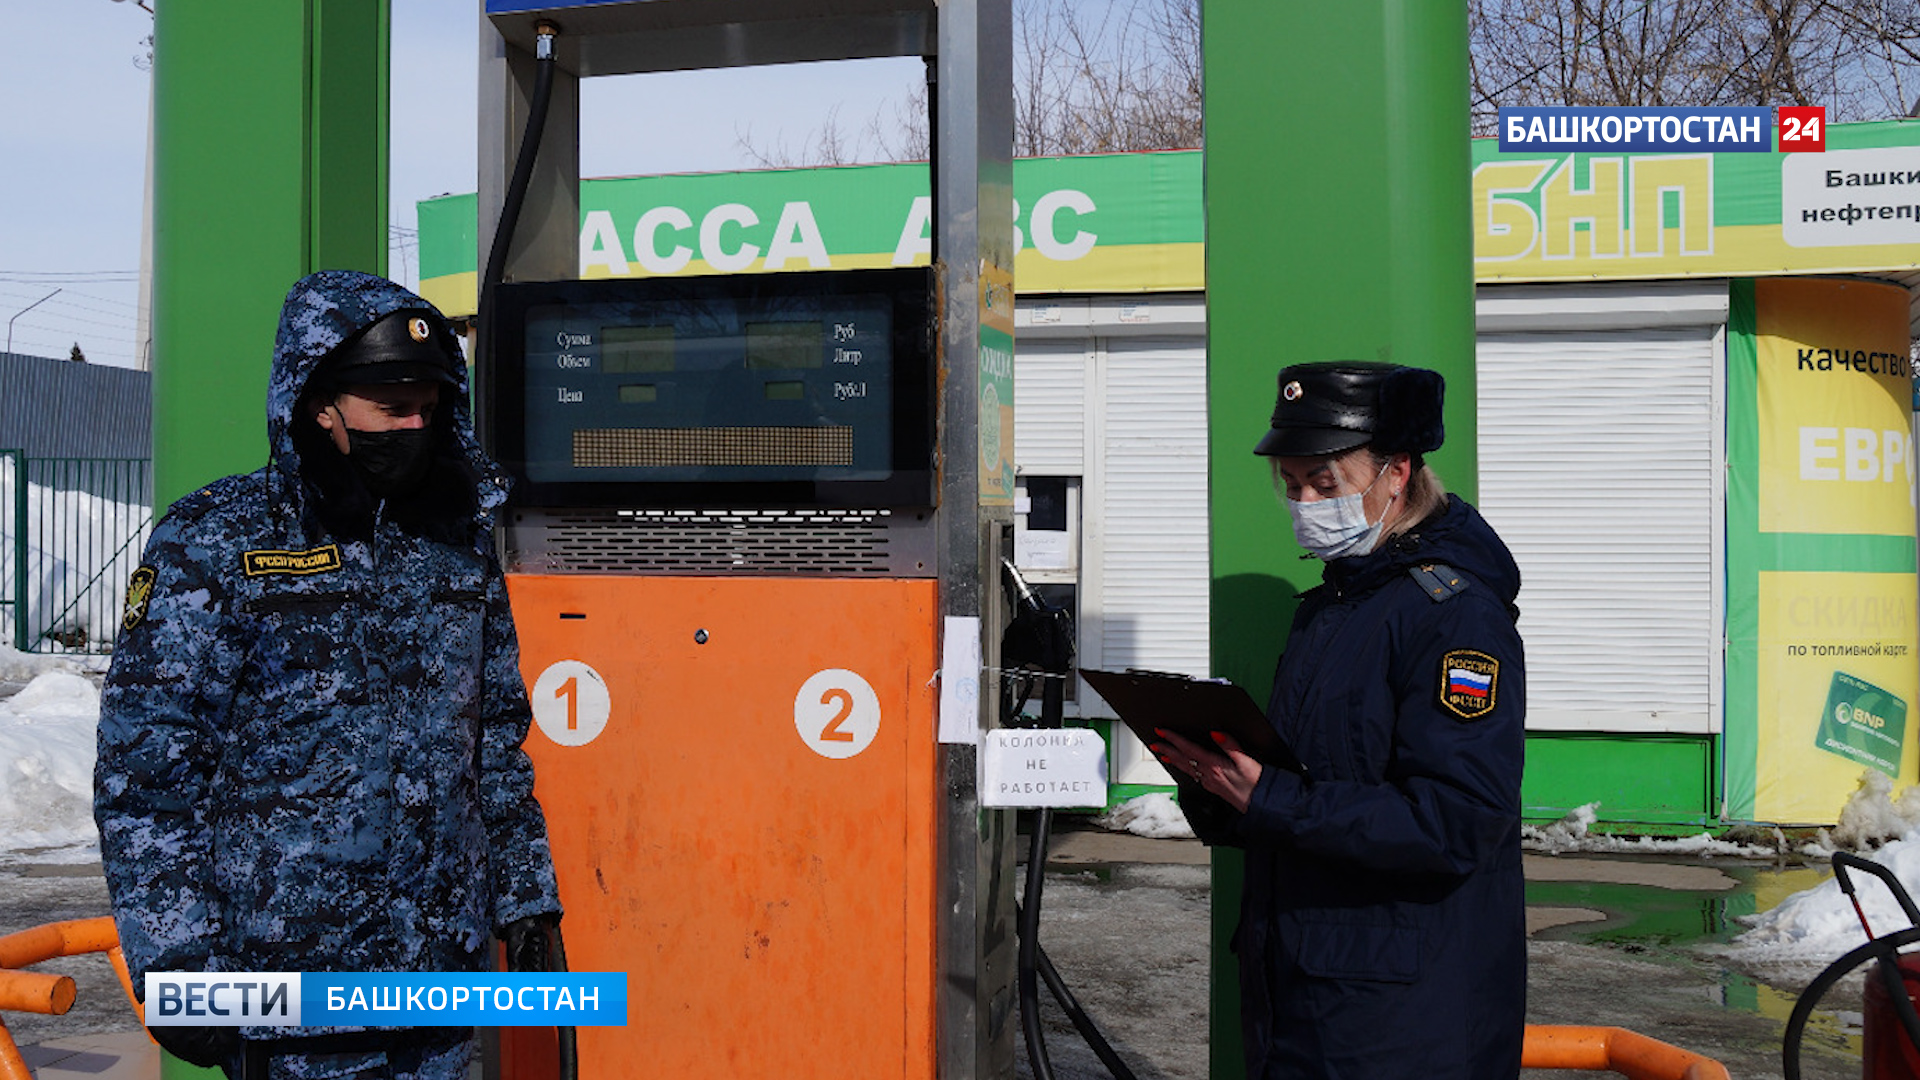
(1382, 928)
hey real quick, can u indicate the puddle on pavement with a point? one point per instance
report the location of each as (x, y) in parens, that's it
(1644, 917)
(1682, 924)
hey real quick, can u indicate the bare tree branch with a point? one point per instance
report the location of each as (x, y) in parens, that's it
(1125, 75)
(1088, 78)
(1859, 58)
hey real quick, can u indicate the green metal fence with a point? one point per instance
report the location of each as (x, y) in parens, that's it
(71, 532)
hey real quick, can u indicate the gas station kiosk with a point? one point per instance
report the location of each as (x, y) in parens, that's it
(753, 557)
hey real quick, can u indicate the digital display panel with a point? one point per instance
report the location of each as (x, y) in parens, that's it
(779, 345)
(626, 349)
(811, 387)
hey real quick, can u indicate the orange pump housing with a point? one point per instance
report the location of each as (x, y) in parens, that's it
(772, 906)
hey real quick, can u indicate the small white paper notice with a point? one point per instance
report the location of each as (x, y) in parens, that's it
(1042, 549)
(960, 680)
(1055, 767)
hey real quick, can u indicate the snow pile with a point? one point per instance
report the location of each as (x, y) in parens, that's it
(1567, 834)
(1571, 833)
(1154, 814)
(1811, 929)
(80, 551)
(46, 767)
(1873, 816)
(19, 667)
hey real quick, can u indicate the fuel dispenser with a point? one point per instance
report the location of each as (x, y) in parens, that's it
(753, 556)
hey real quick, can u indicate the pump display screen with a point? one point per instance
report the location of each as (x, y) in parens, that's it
(633, 390)
(806, 388)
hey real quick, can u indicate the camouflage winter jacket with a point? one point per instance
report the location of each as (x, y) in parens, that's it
(309, 753)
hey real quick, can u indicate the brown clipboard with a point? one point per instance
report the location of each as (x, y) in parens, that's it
(1192, 708)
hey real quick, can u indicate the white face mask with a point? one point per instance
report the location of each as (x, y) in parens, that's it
(1336, 528)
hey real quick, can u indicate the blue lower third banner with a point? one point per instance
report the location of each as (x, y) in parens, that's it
(1637, 129)
(386, 999)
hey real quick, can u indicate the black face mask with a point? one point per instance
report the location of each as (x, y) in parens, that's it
(391, 462)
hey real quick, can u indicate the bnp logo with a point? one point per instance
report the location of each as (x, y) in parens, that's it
(1854, 714)
(1863, 723)
(1612, 207)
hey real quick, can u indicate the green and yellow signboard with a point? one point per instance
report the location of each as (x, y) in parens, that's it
(1821, 586)
(1108, 223)
(1105, 223)
(1543, 217)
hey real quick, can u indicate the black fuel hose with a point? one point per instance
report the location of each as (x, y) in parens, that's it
(1890, 978)
(503, 231)
(1029, 956)
(1081, 1021)
(1880, 948)
(569, 1036)
(1033, 961)
(545, 32)
(1041, 638)
(1882, 951)
(523, 160)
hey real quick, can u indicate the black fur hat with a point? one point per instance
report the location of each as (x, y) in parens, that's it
(410, 345)
(1335, 406)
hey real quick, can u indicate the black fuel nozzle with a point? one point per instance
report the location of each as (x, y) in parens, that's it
(1041, 634)
(1037, 644)
(531, 943)
(1023, 595)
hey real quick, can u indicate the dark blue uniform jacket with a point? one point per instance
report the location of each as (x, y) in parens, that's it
(1382, 930)
(309, 748)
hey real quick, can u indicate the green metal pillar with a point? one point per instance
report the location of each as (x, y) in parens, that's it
(1337, 201)
(270, 161)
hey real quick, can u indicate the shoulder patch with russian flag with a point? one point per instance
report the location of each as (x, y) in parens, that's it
(1469, 681)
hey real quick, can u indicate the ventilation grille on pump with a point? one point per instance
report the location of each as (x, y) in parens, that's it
(858, 543)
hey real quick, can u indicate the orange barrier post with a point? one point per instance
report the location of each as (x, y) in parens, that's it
(51, 995)
(1596, 1049)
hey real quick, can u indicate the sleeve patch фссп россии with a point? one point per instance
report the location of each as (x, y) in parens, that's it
(1468, 683)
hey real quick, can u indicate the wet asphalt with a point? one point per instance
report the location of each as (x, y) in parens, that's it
(1615, 941)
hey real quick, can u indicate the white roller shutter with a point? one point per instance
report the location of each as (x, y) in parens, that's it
(1049, 405)
(1126, 377)
(1601, 418)
(1154, 581)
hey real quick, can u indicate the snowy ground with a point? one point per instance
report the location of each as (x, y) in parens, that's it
(49, 706)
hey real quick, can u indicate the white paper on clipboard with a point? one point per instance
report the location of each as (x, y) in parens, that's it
(960, 680)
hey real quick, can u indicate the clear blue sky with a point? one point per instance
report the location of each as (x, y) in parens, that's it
(74, 142)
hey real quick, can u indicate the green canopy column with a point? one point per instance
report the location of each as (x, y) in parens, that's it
(1337, 228)
(270, 161)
